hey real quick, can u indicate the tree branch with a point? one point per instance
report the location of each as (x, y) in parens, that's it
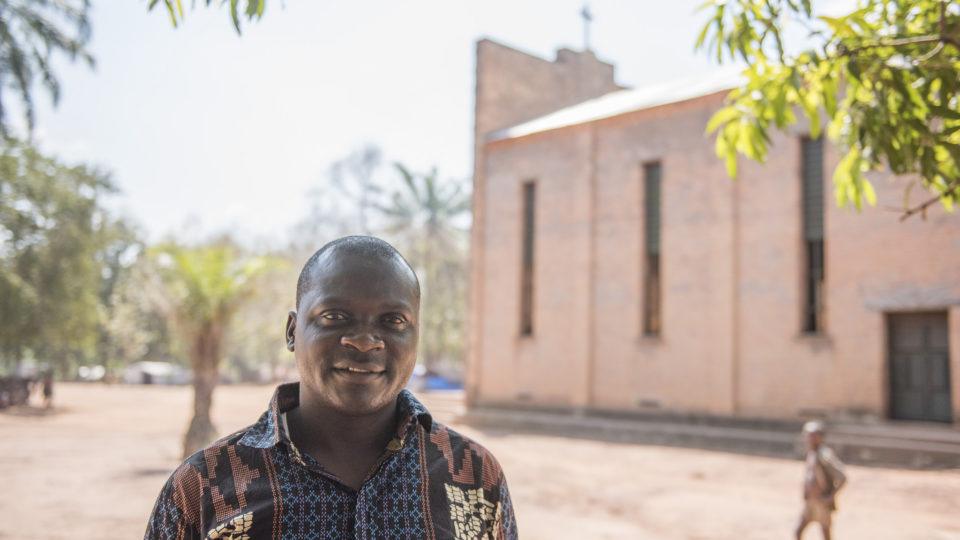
(933, 52)
(943, 18)
(844, 51)
(922, 207)
(944, 38)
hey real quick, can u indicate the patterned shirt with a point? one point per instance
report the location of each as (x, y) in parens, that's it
(431, 483)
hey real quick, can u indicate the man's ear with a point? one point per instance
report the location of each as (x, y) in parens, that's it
(291, 329)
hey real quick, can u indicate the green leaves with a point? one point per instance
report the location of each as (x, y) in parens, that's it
(31, 35)
(839, 26)
(885, 78)
(234, 16)
(253, 11)
(849, 183)
(53, 237)
(206, 284)
(746, 29)
(721, 117)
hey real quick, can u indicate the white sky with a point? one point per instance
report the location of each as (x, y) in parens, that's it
(205, 130)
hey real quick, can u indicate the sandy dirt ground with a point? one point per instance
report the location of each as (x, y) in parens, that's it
(92, 466)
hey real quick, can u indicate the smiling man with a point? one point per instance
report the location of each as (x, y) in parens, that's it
(346, 452)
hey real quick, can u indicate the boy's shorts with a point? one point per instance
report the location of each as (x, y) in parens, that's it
(817, 511)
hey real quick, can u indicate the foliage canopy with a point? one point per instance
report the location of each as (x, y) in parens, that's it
(32, 32)
(205, 285)
(427, 217)
(253, 10)
(882, 80)
(55, 239)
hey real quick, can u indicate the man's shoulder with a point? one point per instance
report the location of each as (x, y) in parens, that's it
(222, 467)
(442, 431)
(463, 455)
(209, 456)
(200, 468)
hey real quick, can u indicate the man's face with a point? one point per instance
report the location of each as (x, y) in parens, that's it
(355, 333)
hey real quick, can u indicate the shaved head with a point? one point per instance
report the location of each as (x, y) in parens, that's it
(370, 248)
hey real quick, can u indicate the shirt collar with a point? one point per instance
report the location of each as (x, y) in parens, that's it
(269, 429)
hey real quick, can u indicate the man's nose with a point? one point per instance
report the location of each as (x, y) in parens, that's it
(363, 341)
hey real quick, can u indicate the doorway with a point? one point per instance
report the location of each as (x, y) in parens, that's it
(919, 360)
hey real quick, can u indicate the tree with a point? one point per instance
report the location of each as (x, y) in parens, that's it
(884, 79)
(343, 202)
(355, 178)
(256, 350)
(32, 32)
(134, 324)
(254, 10)
(52, 230)
(205, 286)
(428, 217)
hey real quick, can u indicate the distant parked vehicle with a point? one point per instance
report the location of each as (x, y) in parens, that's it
(155, 373)
(424, 379)
(91, 373)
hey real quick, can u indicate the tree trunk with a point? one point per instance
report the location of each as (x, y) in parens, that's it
(205, 360)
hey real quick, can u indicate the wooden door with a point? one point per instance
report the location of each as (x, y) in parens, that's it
(919, 367)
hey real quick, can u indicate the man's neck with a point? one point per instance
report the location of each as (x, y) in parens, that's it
(316, 429)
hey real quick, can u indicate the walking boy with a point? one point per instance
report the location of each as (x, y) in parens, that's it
(823, 478)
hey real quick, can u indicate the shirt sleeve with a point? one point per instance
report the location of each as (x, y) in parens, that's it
(506, 525)
(834, 468)
(174, 513)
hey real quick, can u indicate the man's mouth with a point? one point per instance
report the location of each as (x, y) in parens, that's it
(359, 372)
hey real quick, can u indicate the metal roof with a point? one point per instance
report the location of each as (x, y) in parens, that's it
(622, 102)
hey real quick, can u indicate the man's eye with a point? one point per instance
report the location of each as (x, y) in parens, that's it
(395, 320)
(334, 316)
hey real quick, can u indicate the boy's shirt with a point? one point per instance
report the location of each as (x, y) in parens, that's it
(823, 475)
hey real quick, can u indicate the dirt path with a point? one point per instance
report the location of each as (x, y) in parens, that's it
(92, 468)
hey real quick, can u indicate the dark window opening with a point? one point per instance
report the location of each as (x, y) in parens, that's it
(526, 273)
(813, 285)
(652, 322)
(812, 200)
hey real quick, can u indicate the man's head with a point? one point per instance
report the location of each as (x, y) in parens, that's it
(355, 330)
(813, 434)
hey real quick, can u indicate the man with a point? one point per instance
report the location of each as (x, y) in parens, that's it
(823, 478)
(47, 388)
(346, 452)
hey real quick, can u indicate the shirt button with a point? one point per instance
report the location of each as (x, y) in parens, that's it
(395, 444)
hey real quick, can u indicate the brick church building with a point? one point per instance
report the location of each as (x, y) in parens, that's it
(616, 267)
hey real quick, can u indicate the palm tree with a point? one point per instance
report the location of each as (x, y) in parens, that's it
(205, 286)
(429, 219)
(355, 177)
(31, 32)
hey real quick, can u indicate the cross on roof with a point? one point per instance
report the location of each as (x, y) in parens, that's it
(587, 19)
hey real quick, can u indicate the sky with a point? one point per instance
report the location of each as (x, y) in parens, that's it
(206, 131)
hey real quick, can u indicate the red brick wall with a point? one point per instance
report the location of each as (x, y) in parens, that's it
(732, 277)
(511, 87)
